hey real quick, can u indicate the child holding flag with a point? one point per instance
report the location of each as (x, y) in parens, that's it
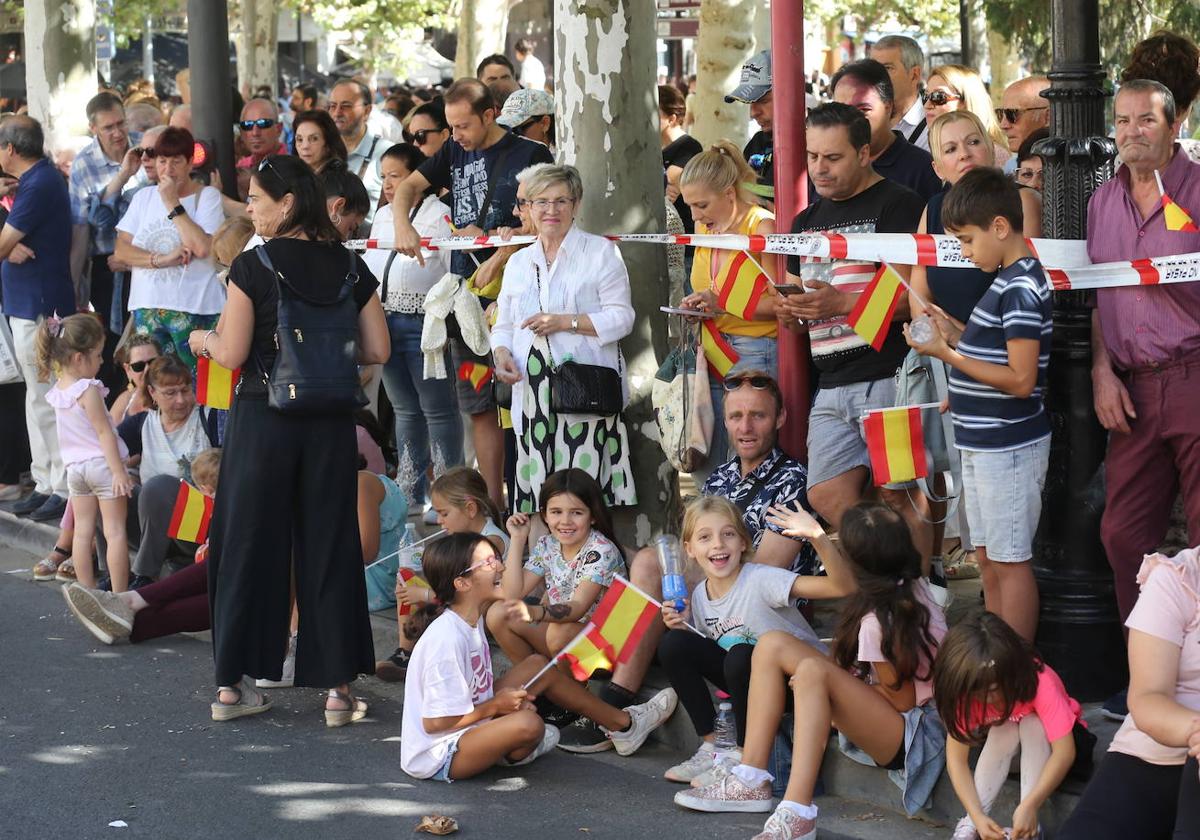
(997, 381)
(458, 719)
(737, 602)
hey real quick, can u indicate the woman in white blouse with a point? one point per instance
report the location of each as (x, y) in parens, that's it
(566, 297)
(428, 425)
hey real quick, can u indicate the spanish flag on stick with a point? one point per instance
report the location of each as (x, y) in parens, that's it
(587, 653)
(896, 444)
(411, 578)
(478, 375)
(191, 516)
(215, 384)
(744, 286)
(719, 352)
(1175, 216)
(872, 314)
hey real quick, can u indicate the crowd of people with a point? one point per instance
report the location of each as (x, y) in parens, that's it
(484, 391)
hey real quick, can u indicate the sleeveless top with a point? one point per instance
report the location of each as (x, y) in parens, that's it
(708, 262)
(956, 290)
(393, 515)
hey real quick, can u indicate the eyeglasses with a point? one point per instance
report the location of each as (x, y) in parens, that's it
(488, 562)
(146, 152)
(1014, 114)
(171, 393)
(261, 122)
(938, 98)
(418, 138)
(758, 383)
(544, 204)
(138, 367)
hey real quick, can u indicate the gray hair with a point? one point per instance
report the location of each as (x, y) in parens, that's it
(911, 54)
(152, 132)
(271, 106)
(142, 116)
(25, 135)
(1150, 86)
(543, 179)
(529, 171)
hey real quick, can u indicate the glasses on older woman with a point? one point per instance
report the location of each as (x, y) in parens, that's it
(544, 204)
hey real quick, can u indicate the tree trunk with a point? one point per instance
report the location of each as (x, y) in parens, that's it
(1005, 62)
(257, 47)
(60, 66)
(762, 25)
(482, 26)
(726, 40)
(608, 128)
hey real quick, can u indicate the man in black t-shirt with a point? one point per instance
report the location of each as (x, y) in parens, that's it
(854, 377)
(479, 166)
(755, 90)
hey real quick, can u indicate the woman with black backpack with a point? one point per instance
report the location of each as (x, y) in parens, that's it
(301, 315)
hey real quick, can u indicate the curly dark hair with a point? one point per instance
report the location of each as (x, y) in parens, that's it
(1171, 59)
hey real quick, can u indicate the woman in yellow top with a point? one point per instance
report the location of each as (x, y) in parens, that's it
(730, 283)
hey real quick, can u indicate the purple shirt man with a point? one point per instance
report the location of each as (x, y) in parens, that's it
(1146, 339)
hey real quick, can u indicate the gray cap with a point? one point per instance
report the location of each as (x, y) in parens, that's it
(756, 79)
(523, 105)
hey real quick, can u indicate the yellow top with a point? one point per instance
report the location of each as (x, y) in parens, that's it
(709, 264)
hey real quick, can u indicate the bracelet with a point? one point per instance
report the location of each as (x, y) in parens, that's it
(153, 259)
(204, 351)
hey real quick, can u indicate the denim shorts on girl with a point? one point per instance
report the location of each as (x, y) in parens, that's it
(443, 773)
(1002, 492)
(90, 478)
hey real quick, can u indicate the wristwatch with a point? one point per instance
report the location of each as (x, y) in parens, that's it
(574, 323)
(178, 211)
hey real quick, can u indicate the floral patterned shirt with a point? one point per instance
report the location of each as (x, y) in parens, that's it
(598, 561)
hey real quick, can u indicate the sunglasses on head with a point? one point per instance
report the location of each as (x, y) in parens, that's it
(146, 152)
(1014, 114)
(938, 98)
(261, 122)
(758, 383)
(418, 138)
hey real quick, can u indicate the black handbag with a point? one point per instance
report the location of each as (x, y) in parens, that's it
(577, 388)
(316, 364)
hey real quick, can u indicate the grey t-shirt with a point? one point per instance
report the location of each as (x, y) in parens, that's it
(760, 601)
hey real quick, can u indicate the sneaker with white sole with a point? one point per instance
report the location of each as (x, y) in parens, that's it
(644, 719)
(549, 742)
(786, 824)
(105, 615)
(287, 679)
(685, 771)
(720, 766)
(965, 830)
(730, 794)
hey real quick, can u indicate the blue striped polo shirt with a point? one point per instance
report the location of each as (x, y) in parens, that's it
(1016, 305)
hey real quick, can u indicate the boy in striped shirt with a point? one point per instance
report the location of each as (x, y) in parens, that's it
(998, 363)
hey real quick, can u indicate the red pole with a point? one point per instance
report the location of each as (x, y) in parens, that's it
(791, 196)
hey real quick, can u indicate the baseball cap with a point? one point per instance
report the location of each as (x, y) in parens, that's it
(524, 105)
(756, 79)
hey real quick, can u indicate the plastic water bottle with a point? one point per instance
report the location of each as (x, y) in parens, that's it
(410, 535)
(725, 729)
(670, 560)
(921, 329)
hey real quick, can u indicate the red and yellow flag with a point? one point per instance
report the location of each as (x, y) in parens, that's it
(743, 287)
(1176, 217)
(896, 444)
(720, 354)
(622, 617)
(215, 384)
(587, 653)
(478, 375)
(192, 513)
(411, 578)
(872, 314)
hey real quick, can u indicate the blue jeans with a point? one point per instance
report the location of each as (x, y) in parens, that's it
(757, 354)
(426, 409)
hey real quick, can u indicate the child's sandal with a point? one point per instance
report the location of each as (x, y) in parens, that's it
(340, 717)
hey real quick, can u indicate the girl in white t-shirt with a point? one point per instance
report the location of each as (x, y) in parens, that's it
(875, 688)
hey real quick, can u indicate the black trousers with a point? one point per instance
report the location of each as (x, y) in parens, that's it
(689, 660)
(287, 504)
(14, 437)
(1129, 797)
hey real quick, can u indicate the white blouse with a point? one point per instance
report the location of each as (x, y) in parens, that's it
(407, 281)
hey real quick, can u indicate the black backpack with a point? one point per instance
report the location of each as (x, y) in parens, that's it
(316, 366)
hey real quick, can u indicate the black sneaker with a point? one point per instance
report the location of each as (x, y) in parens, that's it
(584, 736)
(138, 581)
(104, 584)
(1117, 706)
(553, 714)
(395, 667)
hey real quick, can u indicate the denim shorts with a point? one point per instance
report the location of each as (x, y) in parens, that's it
(1002, 492)
(443, 773)
(90, 478)
(836, 442)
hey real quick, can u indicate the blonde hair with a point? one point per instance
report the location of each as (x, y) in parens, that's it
(58, 339)
(969, 85)
(230, 239)
(461, 485)
(716, 504)
(939, 125)
(206, 467)
(721, 167)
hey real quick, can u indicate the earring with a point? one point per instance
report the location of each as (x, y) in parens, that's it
(336, 219)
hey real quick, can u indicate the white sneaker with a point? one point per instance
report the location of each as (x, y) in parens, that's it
(645, 718)
(720, 766)
(685, 771)
(965, 830)
(288, 678)
(430, 516)
(730, 794)
(549, 742)
(786, 824)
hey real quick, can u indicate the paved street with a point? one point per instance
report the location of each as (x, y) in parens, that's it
(90, 735)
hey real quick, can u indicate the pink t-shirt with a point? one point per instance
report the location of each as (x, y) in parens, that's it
(870, 641)
(77, 440)
(1169, 609)
(1056, 709)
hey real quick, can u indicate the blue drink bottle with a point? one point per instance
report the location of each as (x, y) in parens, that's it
(670, 560)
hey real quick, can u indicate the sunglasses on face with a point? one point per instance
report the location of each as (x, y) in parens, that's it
(938, 98)
(146, 152)
(758, 383)
(138, 367)
(418, 138)
(1014, 114)
(261, 122)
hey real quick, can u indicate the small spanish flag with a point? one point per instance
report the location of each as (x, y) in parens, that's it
(623, 616)
(720, 354)
(505, 416)
(1175, 216)
(193, 512)
(587, 653)
(215, 384)
(478, 375)
(896, 444)
(744, 286)
(872, 314)
(411, 578)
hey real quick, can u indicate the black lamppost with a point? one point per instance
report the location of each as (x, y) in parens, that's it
(212, 97)
(1079, 631)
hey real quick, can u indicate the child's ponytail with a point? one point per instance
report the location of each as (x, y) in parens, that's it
(461, 485)
(58, 339)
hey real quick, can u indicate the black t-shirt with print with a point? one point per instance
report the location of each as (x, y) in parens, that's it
(677, 153)
(840, 355)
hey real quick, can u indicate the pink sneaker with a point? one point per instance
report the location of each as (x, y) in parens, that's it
(729, 793)
(786, 824)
